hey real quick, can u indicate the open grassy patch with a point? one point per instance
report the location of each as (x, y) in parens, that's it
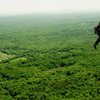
(4, 56)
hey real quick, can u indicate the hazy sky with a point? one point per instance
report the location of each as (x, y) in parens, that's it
(47, 6)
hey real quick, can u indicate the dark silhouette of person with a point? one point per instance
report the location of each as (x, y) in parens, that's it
(97, 32)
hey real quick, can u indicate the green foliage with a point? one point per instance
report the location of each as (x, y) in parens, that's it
(49, 58)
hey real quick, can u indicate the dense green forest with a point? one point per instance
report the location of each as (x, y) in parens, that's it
(49, 57)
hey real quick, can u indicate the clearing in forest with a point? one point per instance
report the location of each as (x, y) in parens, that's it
(4, 56)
